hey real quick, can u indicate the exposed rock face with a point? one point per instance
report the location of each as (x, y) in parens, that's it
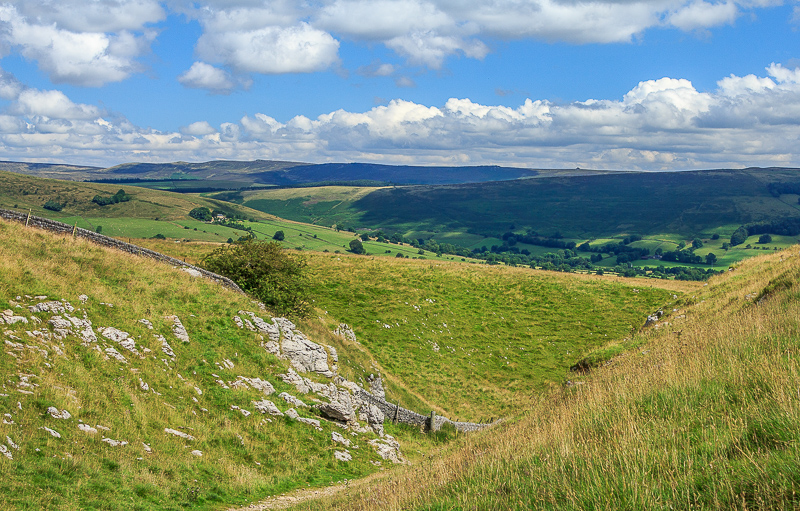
(291, 399)
(266, 406)
(259, 384)
(376, 386)
(304, 354)
(341, 406)
(338, 438)
(388, 448)
(373, 416)
(54, 413)
(178, 433)
(179, 330)
(54, 307)
(342, 455)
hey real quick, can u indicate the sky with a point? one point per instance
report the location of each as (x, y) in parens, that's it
(606, 84)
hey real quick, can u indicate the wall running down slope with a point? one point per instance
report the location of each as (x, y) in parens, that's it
(62, 228)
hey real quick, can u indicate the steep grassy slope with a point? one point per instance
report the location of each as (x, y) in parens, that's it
(703, 415)
(243, 457)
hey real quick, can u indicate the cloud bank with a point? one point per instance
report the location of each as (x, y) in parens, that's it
(658, 124)
(95, 42)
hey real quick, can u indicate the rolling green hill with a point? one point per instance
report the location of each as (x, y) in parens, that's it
(702, 414)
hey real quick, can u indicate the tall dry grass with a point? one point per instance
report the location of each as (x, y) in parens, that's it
(704, 415)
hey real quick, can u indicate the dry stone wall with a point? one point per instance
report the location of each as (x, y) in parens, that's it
(396, 413)
(62, 228)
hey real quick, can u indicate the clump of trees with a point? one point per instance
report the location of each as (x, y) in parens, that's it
(53, 205)
(118, 197)
(264, 270)
(202, 214)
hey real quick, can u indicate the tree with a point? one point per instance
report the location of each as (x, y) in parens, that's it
(202, 214)
(279, 236)
(357, 247)
(711, 259)
(697, 243)
(268, 273)
(739, 236)
(765, 238)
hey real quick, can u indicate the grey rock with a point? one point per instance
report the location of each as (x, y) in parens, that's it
(179, 330)
(291, 399)
(388, 448)
(259, 384)
(337, 437)
(376, 386)
(342, 455)
(305, 355)
(266, 406)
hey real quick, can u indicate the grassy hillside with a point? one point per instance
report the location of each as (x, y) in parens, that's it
(703, 414)
(243, 457)
(665, 208)
(152, 212)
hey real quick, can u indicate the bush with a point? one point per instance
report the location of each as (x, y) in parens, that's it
(765, 238)
(99, 229)
(263, 270)
(53, 206)
(159, 236)
(279, 236)
(357, 247)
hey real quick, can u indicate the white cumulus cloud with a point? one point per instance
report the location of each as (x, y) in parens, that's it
(271, 50)
(206, 76)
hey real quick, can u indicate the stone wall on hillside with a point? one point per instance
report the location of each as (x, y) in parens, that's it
(398, 414)
(62, 228)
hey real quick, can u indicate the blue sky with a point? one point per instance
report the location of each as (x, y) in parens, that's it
(644, 84)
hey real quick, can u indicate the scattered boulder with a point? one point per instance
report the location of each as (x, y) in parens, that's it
(54, 413)
(111, 352)
(344, 330)
(342, 455)
(146, 323)
(376, 386)
(52, 432)
(259, 384)
(197, 453)
(266, 406)
(388, 448)
(291, 399)
(114, 443)
(5, 452)
(178, 433)
(192, 272)
(87, 429)
(338, 438)
(54, 307)
(119, 337)
(178, 330)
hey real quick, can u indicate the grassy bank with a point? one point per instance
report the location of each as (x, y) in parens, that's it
(703, 415)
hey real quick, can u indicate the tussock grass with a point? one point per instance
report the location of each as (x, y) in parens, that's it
(704, 415)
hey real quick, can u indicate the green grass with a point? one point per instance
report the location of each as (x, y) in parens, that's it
(475, 342)
(700, 413)
(244, 458)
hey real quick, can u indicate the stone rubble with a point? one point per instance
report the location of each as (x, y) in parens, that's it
(342, 455)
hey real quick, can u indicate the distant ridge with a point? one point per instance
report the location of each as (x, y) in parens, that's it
(233, 174)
